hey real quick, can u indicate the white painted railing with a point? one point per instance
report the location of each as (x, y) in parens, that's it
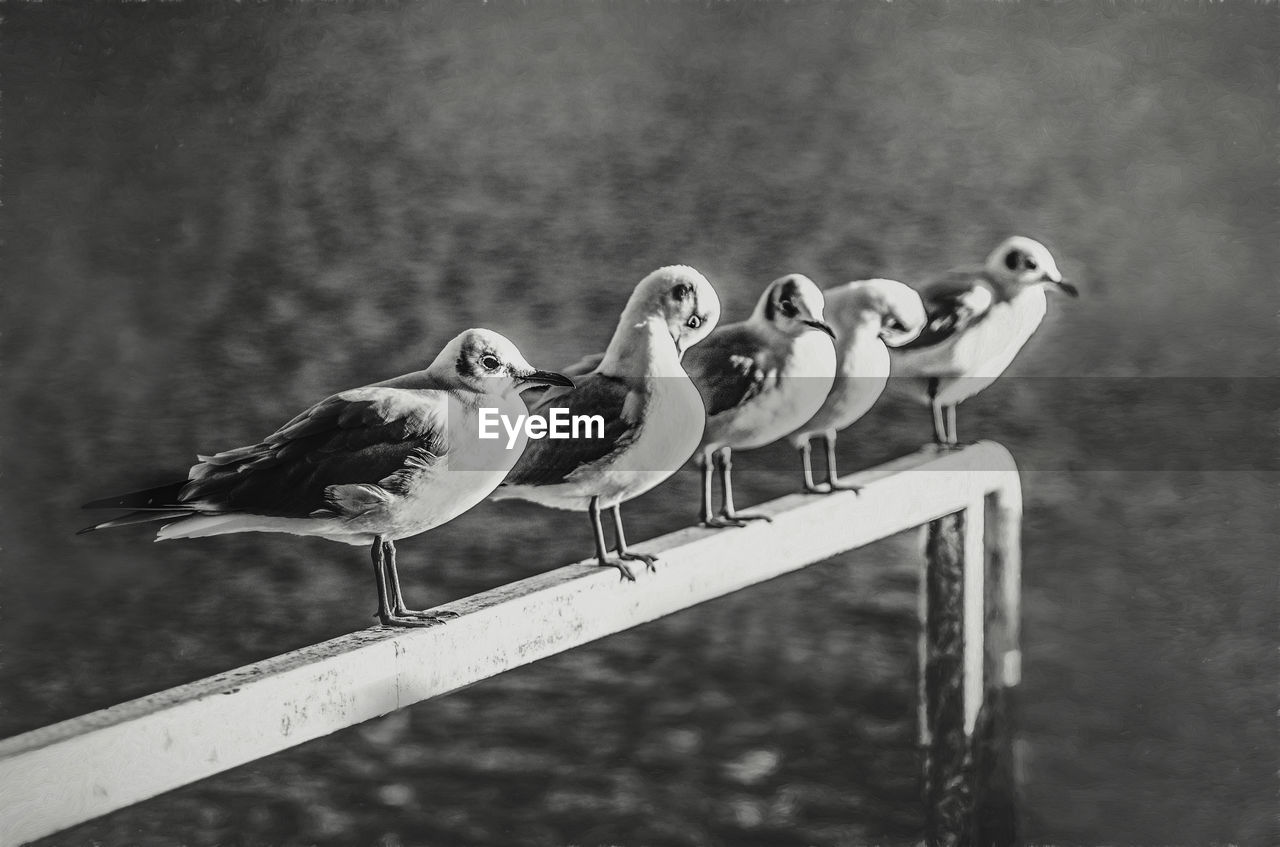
(61, 775)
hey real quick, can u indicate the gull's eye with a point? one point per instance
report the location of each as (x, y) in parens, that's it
(1031, 264)
(788, 308)
(694, 322)
(490, 362)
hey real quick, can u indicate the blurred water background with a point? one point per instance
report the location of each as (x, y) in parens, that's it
(215, 215)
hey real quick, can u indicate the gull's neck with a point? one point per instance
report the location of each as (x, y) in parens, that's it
(865, 328)
(641, 346)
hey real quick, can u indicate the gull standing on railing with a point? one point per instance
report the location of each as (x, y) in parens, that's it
(979, 318)
(760, 379)
(653, 415)
(367, 466)
(868, 317)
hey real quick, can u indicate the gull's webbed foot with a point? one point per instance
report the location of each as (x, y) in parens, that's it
(836, 485)
(721, 522)
(741, 517)
(413, 617)
(650, 561)
(951, 446)
(623, 568)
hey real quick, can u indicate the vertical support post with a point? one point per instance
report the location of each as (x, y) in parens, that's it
(952, 673)
(996, 788)
(943, 686)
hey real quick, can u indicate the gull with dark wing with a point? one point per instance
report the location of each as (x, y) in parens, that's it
(979, 318)
(652, 414)
(760, 379)
(368, 466)
(868, 316)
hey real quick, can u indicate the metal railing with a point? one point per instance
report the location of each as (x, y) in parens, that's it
(970, 500)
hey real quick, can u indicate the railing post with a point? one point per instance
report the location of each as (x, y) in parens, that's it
(969, 663)
(996, 789)
(944, 743)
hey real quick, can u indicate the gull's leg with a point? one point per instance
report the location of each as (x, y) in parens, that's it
(939, 423)
(727, 510)
(602, 554)
(953, 437)
(709, 463)
(830, 438)
(707, 466)
(400, 615)
(623, 552)
(380, 580)
(806, 464)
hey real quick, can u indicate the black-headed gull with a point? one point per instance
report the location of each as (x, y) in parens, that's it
(760, 379)
(368, 466)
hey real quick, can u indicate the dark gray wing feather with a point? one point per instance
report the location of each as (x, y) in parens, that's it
(550, 462)
(730, 368)
(953, 303)
(373, 436)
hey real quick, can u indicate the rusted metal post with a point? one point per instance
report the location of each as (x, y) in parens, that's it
(996, 788)
(945, 760)
(969, 664)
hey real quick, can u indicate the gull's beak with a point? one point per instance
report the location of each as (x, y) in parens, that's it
(546, 378)
(1066, 287)
(825, 327)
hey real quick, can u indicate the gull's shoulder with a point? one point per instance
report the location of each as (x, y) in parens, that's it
(375, 437)
(550, 462)
(733, 366)
(954, 302)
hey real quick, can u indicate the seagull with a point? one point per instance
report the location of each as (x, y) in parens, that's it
(653, 415)
(368, 466)
(979, 318)
(760, 379)
(868, 316)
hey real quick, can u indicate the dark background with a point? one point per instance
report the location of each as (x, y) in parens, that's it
(214, 216)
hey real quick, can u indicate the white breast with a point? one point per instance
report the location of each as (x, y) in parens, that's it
(860, 379)
(783, 406)
(668, 435)
(468, 473)
(973, 359)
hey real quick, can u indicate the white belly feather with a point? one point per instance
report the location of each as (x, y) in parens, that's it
(782, 407)
(973, 359)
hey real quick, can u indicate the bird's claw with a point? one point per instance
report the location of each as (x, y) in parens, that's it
(949, 446)
(721, 522)
(845, 486)
(412, 617)
(650, 561)
(816, 488)
(622, 567)
(741, 517)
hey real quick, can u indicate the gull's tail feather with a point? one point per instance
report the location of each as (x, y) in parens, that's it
(136, 518)
(163, 498)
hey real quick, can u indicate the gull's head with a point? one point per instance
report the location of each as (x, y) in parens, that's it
(793, 305)
(685, 301)
(888, 308)
(485, 362)
(1020, 262)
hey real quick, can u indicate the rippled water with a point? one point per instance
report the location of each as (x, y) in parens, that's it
(213, 221)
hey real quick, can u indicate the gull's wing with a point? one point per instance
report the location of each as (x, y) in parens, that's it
(953, 303)
(584, 366)
(549, 461)
(731, 366)
(345, 454)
